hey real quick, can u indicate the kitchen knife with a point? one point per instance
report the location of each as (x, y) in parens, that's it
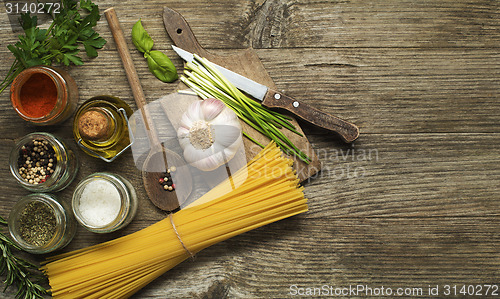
(274, 99)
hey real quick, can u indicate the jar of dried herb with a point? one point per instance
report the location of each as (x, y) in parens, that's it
(44, 95)
(39, 223)
(41, 162)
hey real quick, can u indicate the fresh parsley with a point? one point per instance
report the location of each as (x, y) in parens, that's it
(60, 43)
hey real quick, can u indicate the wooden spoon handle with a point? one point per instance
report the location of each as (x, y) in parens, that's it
(133, 78)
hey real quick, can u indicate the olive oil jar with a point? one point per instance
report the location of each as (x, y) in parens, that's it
(101, 127)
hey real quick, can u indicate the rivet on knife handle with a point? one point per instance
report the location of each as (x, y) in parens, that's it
(348, 131)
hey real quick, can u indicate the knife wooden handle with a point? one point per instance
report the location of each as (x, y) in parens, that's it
(348, 131)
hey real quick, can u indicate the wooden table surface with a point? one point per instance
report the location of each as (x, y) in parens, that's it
(413, 203)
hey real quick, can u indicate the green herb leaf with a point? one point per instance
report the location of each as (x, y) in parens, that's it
(27, 21)
(87, 5)
(160, 65)
(141, 39)
(60, 42)
(92, 43)
(71, 57)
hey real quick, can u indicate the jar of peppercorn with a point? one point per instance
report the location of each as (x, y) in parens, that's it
(44, 95)
(41, 162)
(39, 223)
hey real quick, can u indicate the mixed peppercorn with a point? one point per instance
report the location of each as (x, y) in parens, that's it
(166, 179)
(37, 161)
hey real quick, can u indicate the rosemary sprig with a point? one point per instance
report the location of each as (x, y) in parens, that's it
(206, 81)
(21, 273)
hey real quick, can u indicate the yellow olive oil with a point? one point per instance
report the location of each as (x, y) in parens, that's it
(100, 127)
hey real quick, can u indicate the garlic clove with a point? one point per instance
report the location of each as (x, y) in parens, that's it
(211, 108)
(183, 132)
(183, 137)
(204, 160)
(211, 162)
(191, 154)
(231, 150)
(193, 114)
(186, 121)
(226, 135)
(227, 116)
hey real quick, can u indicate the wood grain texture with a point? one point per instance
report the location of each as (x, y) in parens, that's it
(381, 90)
(413, 202)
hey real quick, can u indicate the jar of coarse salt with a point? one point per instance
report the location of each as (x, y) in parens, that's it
(104, 202)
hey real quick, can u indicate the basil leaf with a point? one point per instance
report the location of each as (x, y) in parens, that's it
(141, 39)
(160, 65)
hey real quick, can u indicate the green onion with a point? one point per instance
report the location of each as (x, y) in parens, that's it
(207, 82)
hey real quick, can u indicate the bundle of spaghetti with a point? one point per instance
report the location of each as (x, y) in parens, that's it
(267, 191)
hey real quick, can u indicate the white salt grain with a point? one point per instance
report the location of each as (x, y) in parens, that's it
(99, 203)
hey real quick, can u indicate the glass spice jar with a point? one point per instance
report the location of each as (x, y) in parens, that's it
(101, 127)
(104, 202)
(39, 223)
(41, 162)
(44, 95)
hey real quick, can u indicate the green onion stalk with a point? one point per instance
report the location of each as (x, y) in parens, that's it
(207, 82)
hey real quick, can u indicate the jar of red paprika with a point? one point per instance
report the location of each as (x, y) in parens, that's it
(44, 95)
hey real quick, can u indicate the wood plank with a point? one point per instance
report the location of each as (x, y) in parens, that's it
(406, 176)
(324, 24)
(381, 90)
(400, 90)
(389, 252)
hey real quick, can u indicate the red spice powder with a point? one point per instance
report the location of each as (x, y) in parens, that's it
(38, 95)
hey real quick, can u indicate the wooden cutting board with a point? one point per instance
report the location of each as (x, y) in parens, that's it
(248, 64)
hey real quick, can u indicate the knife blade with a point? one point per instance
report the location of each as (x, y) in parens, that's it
(274, 99)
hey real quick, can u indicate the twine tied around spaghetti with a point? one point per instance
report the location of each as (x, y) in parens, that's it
(179, 236)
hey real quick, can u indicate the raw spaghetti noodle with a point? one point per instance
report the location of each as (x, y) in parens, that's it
(269, 192)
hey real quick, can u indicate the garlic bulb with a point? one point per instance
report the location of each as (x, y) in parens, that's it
(210, 134)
